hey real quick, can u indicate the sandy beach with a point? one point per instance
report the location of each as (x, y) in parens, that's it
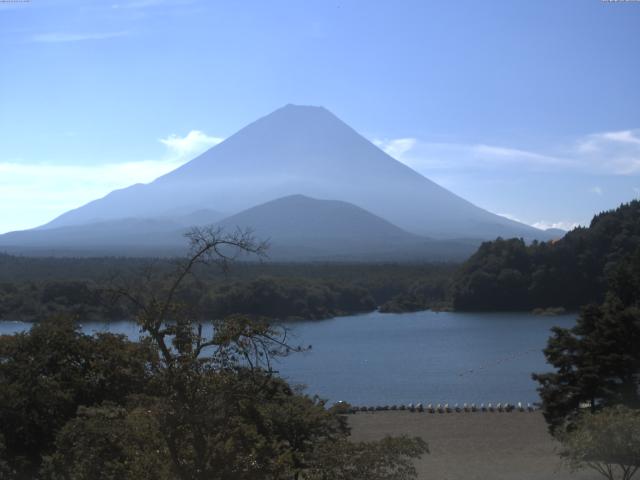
(474, 446)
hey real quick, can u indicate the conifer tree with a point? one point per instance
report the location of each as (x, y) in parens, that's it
(598, 361)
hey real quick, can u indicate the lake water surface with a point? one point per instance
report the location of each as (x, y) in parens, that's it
(428, 357)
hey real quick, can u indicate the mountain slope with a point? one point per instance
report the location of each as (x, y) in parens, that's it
(119, 236)
(299, 217)
(297, 227)
(300, 227)
(305, 150)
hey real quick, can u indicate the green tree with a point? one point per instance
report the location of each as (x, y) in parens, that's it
(607, 442)
(6, 471)
(109, 442)
(508, 274)
(598, 361)
(48, 372)
(388, 459)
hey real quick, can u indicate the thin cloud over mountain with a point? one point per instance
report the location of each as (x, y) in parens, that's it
(45, 190)
(194, 143)
(614, 153)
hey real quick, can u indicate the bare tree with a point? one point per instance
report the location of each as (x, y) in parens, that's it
(162, 316)
(198, 368)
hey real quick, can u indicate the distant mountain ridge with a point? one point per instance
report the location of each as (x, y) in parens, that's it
(300, 227)
(294, 150)
(296, 215)
(297, 228)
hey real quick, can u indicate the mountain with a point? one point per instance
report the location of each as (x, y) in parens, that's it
(556, 233)
(131, 236)
(297, 228)
(302, 150)
(297, 217)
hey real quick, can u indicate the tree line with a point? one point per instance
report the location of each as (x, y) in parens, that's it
(505, 274)
(508, 274)
(81, 287)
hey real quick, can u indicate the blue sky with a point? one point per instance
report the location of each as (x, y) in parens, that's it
(530, 109)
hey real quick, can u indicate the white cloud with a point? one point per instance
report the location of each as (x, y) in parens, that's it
(194, 143)
(625, 136)
(543, 225)
(396, 148)
(429, 156)
(597, 190)
(615, 153)
(43, 191)
(62, 37)
(611, 152)
(516, 155)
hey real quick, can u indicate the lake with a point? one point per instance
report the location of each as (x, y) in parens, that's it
(428, 357)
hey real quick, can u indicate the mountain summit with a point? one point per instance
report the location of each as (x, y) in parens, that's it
(309, 151)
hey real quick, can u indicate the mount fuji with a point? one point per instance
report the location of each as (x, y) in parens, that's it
(293, 151)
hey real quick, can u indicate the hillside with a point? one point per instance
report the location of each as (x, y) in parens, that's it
(298, 228)
(570, 272)
(126, 236)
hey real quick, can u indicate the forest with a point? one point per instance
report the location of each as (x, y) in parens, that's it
(570, 272)
(33, 288)
(505, 274)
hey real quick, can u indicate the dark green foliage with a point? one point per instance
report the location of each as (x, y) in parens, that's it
(277, 435)
(388, 459)
(496, 277)
(6, 471)
(39, 287)
(570, 272)
(428, 293)
(598, 361)
(79, 407)
(109, 442)
(232, 426)
(287, 299)
(47, 373)
(31, 300)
